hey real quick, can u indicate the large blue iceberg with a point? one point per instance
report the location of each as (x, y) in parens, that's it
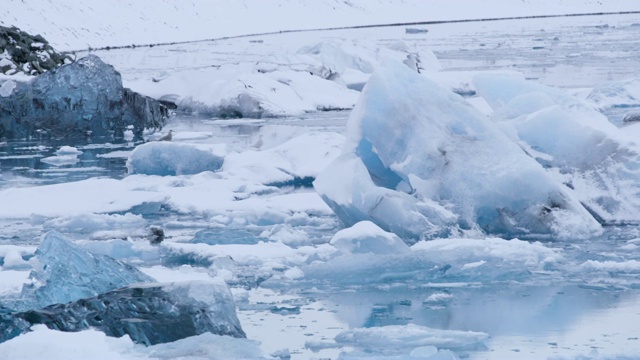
(421, 162)
(577, 144)
(65, 272)
(81, 99)
(149, 314)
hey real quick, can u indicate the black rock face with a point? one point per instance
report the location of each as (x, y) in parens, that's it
(149, 314)
(24, 53)
(81, 99)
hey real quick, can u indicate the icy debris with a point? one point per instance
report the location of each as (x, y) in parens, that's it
(613, 97)
(450, 260)
(352, 62)
(397, 339)
(248, 90)
(421, 162)
(297, 162)
(366, 237)
(166, 158)
(149, 314)
(577, 144)
(81, 99)
(66, 155)
(64, 272)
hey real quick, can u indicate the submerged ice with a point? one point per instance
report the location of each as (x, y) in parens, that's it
(150, 314)
(64, 272)
(421, 162)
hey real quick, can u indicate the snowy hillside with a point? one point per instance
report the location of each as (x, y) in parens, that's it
(80, 24)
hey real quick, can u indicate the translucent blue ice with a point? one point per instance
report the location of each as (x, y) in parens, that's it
(64, 272)
(84, 98)
(148, 313)
(166, 158)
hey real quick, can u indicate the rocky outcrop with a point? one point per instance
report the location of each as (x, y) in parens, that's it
(24, 53)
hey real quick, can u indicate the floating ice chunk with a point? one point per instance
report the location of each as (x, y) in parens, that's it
(166, 158)
(404, 338)
(84, 98)
(417, 154)
(578, 145)
(348, 189)
(67, 273)
(13, 260)
(438, 261)
(61, 160)
(68, 150)
(149, 314)
(366, 237)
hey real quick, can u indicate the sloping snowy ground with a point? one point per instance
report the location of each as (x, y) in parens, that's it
(71, 25)
(303, 288)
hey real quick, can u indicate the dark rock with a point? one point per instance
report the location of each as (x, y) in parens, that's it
(156, 235)
(29, 54)
(631, 117)
(149, 314)
(81, 99)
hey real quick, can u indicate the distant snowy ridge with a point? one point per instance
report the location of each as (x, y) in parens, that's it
(86, 23)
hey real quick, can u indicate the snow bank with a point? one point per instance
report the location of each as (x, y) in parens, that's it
(43, 343)
(248, 90)
(166, 158)
(576, 143)
(421, 162)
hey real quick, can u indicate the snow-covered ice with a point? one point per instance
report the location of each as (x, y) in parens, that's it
(584, 151)
(426, 162)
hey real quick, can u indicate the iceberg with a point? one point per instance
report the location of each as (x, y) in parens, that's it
(150, 314)
(64, 272)
(421, 162)
(166, 158)
(366, 237)
(576, 143)
(81, 99)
